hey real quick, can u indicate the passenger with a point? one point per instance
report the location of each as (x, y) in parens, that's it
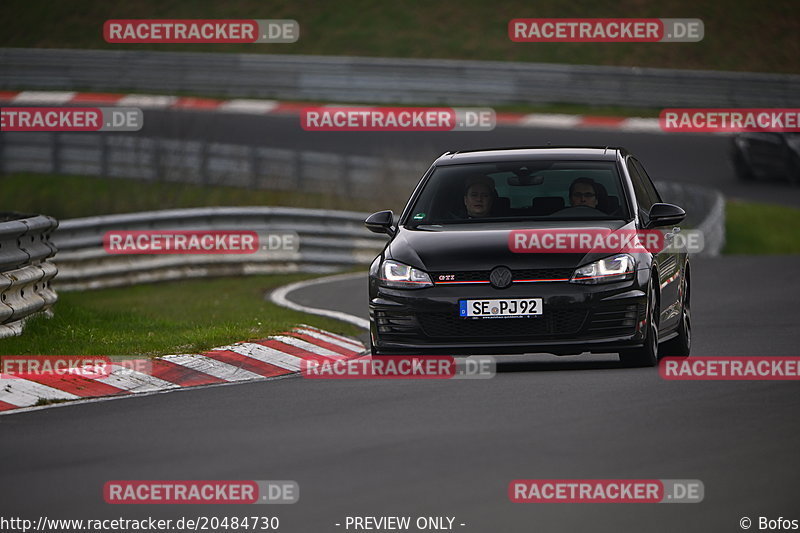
(478, 196)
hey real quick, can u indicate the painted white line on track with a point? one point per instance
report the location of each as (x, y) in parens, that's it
(551, 120)
(280, 297)
(147, 100)
(248, 106)
(44, 97)
(641, 124)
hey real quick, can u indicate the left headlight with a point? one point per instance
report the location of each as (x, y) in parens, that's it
(401, 276)
(617, 268)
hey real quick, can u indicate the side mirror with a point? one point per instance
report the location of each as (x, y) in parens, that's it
(381, 222)
(665, 215)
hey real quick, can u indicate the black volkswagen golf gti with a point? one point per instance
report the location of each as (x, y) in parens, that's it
(450, 282)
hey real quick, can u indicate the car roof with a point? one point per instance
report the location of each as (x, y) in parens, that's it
(576, 153)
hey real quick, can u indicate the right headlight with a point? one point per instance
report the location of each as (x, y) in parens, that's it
(617, 268)
(398, 275)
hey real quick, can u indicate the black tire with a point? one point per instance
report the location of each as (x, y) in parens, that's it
(646, 355)
(681, 345)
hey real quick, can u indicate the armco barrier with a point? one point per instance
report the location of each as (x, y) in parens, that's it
(328, 241)
(389, 80)
(25, 272)
(206, 163)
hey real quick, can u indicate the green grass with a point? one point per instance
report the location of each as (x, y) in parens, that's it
(88, 196)
(174, 317)
(156, 319)
(45, 401)
(740, 35)
(753, 228)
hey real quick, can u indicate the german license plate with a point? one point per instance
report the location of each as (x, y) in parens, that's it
(505, 308)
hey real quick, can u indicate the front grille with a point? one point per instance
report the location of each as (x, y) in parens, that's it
(543, 273)
(616, 320)
(555, 323)
(522, 274)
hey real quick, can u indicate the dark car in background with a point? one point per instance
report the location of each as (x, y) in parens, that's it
(449, 282)
(767, 156)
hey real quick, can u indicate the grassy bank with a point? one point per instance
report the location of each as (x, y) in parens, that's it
(740, 35)
(164, 318)
(88, 196)
(753, 228)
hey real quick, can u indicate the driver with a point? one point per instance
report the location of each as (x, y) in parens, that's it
(583, 192)
(478, 196)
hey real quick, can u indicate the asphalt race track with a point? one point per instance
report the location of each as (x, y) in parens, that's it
(450, 448)
(690, 158)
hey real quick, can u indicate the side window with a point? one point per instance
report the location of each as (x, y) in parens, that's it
(647, 182)
(642, 197)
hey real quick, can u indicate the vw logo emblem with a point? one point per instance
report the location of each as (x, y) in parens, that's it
(500, 278)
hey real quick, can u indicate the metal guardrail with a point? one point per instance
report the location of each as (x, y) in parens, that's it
(329, 241)
(206, 163)
(203, 163)
(25, 272)
(390, 80)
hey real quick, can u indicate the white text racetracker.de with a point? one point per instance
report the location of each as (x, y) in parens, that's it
(400, 523)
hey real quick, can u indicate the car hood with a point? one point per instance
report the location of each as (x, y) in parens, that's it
(485, 246)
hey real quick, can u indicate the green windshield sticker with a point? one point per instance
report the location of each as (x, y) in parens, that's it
(419, 216)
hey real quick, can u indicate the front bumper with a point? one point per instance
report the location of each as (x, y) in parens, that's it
(575, 319)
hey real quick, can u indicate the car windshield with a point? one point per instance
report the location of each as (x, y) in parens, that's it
(529, 190)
